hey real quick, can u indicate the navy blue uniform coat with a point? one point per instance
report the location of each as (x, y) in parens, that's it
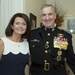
(37, 40)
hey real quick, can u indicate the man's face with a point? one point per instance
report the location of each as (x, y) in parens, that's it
(48, 17)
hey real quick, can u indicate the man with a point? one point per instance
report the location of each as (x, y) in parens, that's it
(50, 46)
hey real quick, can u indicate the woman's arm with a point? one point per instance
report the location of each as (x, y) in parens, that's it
(27, 70)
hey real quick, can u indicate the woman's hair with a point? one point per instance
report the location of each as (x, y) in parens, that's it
(9, 30)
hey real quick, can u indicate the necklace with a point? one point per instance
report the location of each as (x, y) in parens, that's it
(18, 45)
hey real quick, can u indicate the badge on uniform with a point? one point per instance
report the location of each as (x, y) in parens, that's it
(60, 42)
(47, 44)
(35, 40)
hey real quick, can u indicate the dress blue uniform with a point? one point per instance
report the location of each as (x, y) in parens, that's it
(49, 48)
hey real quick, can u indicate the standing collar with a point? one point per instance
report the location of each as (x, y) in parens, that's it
(50, 29)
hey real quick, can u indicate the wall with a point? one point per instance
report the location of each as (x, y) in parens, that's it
(68, 5)
(7, 9)
(34, 6)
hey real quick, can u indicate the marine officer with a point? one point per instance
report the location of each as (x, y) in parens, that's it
(50, 46)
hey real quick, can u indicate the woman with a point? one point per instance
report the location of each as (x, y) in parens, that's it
(14, 48)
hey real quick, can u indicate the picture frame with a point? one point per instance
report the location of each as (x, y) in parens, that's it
(69, 22)
(33, 19)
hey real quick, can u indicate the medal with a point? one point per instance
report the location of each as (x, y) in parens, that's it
(58, 58)
(59, 53)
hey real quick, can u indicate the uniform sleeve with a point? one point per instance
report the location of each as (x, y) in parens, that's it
(70, 56)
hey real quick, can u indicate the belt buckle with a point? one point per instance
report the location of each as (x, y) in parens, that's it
(47, 66)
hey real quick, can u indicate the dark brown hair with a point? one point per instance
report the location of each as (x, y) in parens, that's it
(9, 30)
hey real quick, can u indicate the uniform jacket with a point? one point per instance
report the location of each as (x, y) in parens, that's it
(51, 46)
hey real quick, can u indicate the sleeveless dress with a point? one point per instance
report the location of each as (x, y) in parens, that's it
(15, 57)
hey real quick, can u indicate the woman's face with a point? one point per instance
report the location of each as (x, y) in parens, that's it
(19, 26)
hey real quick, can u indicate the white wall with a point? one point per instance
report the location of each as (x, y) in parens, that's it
(8, 8)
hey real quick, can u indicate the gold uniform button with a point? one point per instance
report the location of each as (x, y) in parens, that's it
(48, 34)
(53, 29)
(47, 42)
(46, 51)
(33, 45)
(45, 61)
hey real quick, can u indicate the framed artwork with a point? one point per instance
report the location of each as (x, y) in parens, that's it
(70, 23)
(33, 19)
